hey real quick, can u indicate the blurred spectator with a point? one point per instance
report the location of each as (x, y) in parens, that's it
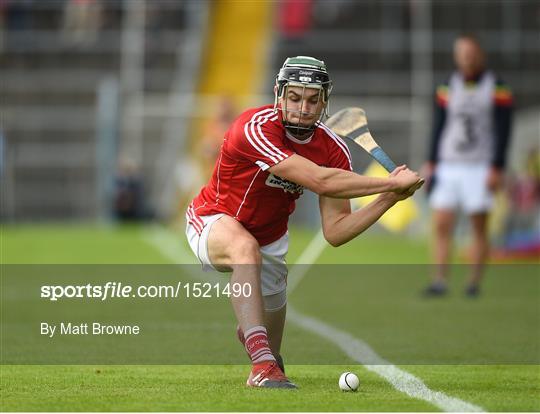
(472, 122)
(129, 203)
(295, 17)
(525, 189)
(214, 131)
(82, 21)
(522, 227)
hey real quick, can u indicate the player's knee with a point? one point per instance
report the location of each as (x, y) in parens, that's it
(246, 251)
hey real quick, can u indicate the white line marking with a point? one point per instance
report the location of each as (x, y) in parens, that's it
(168, 244)
(353, 347)
(362, 353)
(310, 254)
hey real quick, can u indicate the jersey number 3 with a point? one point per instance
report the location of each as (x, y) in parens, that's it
(469, 139)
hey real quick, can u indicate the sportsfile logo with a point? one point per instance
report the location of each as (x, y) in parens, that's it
(286, 185)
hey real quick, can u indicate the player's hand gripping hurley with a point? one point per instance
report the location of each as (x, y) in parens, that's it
(352, 123)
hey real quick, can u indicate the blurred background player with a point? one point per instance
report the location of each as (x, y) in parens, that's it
(239, 220)
(472, 122)
(214, 130)
(129, 193)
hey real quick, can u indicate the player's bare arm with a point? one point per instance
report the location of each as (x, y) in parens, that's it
(340, 225)
(337, 183)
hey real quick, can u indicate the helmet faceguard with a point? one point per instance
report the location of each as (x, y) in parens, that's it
(306, 73)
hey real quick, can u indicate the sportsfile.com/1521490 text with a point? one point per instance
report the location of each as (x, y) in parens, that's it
(119, 290)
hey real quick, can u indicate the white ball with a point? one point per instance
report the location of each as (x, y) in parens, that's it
(348, 381)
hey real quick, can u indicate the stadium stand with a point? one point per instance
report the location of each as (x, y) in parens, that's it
(381, 55)
(49, 96)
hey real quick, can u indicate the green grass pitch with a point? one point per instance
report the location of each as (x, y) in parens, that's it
(367, 307)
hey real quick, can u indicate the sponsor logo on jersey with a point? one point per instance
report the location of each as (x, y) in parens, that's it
(285, 185)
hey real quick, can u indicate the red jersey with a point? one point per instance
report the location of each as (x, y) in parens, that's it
(241, 186)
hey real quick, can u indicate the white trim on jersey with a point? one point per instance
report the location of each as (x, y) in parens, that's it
(262, 165)
(194, 220)
(201, 206)
(249, 125)
(218, 180)
(280, 154)
(246, 193)
(338, 140)
(257, 120)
